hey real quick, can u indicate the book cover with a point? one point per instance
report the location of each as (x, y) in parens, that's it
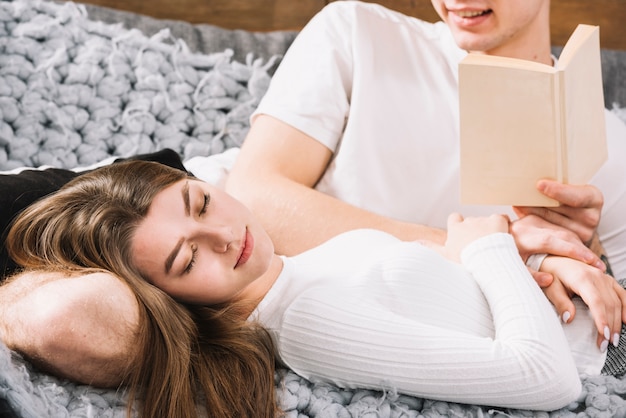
(521, 121)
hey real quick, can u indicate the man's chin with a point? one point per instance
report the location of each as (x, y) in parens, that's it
(473, 43)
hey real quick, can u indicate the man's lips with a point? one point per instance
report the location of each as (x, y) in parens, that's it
(470, 13)
(468, 18)
(246, 249)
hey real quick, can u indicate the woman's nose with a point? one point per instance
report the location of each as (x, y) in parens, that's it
(219, 237)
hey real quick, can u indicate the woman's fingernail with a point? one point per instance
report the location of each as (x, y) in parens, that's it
(566, 316)
(607, 332)
(615, 339)
(604, 345)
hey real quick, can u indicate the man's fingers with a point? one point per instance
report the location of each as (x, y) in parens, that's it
(577, 251)
(579, 210)
(576, 196)
(537, 240)
(579, 221)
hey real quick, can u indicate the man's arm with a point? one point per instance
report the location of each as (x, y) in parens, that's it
(276, 171)
(274, 175)
(81, 328)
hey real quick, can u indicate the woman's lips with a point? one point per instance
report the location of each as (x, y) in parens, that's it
(246, 250)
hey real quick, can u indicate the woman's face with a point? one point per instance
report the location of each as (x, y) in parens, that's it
(498, 27)
(200, 245)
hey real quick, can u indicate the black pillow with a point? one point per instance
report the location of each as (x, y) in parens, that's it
(17, 191)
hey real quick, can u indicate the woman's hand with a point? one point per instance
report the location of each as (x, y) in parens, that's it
(605, 298)
(463, 231)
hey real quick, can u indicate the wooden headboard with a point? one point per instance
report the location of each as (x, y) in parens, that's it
(265, 15)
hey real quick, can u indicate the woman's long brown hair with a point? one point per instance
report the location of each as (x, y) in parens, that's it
(186, 353)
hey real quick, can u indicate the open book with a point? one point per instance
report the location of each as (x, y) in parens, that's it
(521, 121)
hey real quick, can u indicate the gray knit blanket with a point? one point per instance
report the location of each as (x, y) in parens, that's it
(74, 92)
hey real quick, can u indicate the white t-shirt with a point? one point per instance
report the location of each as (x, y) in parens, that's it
(380, 89)
(367, 310)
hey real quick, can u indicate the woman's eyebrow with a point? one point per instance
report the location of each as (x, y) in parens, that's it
(185, 193)
(172, 256)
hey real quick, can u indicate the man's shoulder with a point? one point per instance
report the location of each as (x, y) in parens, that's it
(366, 13)
(372, 24)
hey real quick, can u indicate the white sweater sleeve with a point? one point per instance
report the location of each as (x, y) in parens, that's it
(349, 339)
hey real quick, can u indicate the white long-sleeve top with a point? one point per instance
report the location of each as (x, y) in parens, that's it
(366, 310)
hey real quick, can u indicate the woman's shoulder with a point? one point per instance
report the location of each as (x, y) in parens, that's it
(343, 254)
(362, 238)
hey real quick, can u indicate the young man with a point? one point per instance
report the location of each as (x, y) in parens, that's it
(359, 129)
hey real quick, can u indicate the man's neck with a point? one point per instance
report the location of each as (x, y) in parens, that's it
(532, 44)
(535, 53)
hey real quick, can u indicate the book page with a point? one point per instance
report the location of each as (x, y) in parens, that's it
(508, 133)
(583, 99)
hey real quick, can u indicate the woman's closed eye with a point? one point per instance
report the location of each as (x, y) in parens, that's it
(206, 199)
(205, 204)
(192, 262)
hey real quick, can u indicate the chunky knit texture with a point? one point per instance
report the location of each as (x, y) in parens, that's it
(74, 91)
